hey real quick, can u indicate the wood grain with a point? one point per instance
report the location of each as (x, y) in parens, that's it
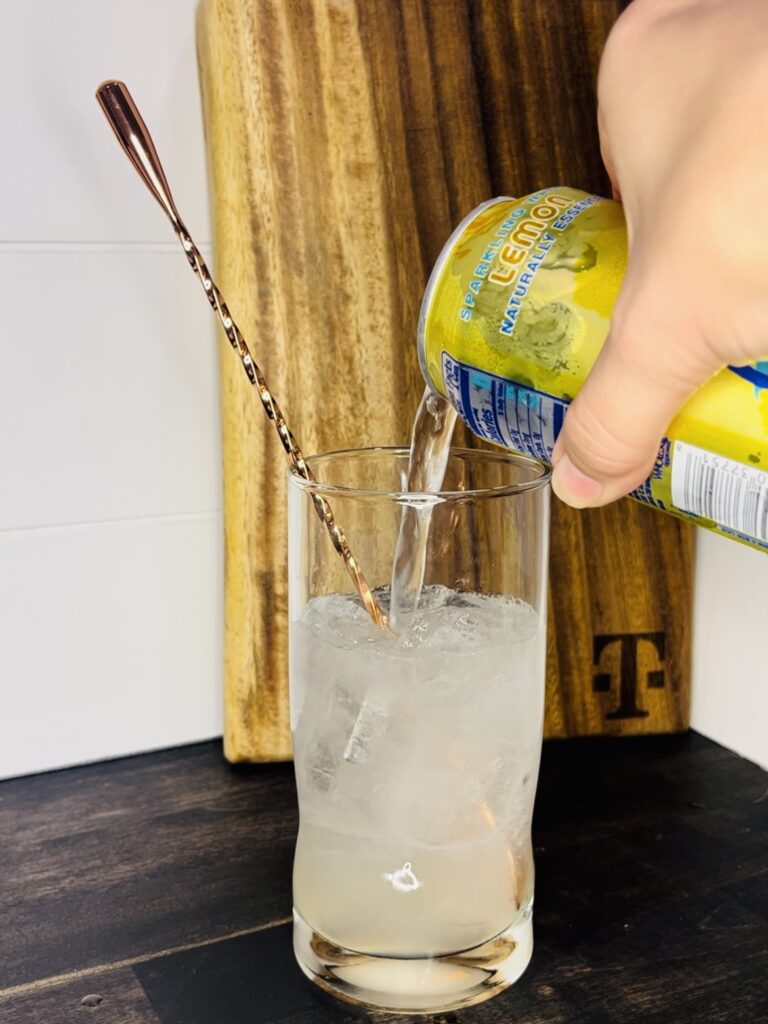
(162, 883)
(119, 999)
(346, 139)
(141, 856)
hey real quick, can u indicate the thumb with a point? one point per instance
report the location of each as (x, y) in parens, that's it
(650, 364)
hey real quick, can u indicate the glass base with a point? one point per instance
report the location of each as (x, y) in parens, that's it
(418, 984)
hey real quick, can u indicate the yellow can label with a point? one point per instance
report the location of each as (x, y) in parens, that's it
(515, 313)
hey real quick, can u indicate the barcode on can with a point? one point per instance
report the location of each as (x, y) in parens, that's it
(735, 496)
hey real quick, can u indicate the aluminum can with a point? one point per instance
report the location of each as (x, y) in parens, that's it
(515, 313)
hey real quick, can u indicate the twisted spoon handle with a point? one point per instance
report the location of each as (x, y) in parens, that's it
(132, 134)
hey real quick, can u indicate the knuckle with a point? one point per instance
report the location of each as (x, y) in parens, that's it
(661, 349)
(598, 449)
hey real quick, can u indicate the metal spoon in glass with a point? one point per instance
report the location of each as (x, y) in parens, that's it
(132, 134)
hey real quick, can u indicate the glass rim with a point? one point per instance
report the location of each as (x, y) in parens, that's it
(322, 489)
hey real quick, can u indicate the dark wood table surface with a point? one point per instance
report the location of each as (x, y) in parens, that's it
(156, 890)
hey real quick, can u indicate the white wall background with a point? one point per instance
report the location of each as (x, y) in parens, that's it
(110, 507)
(730, 646)
(110, 495)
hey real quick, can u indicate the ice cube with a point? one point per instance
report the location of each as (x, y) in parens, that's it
(321, 768)
(370, 723)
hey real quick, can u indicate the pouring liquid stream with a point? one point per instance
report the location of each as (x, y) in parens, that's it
(430, 445)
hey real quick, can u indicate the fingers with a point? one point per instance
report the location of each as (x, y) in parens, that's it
(650, 364)
(607, 156)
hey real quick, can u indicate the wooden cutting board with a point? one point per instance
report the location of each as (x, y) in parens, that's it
(346, 139)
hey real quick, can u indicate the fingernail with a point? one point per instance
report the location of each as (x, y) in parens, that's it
(574, 487)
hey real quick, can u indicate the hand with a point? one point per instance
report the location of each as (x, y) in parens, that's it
(683, 116)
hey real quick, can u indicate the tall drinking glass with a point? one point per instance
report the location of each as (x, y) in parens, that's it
(417, 750)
